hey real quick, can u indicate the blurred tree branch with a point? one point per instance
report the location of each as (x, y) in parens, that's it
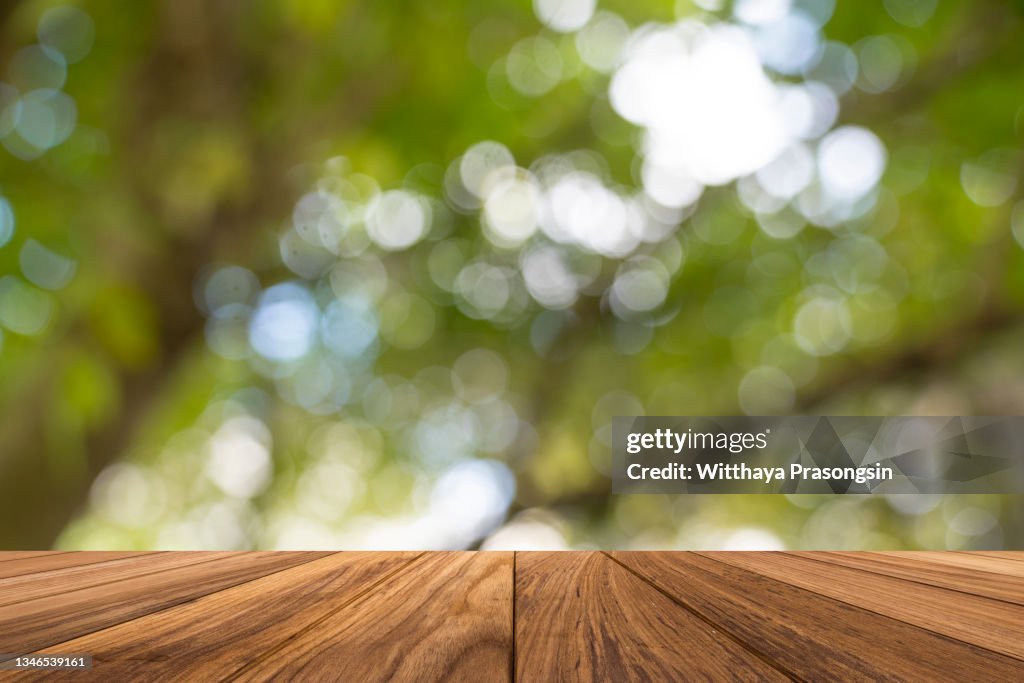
(166, 85)
(199, 74)
(993, 313)
(989, 29)
(922, 359)
(7, 8)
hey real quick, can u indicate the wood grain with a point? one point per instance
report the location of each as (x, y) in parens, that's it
(216, 636)
(446, 617)
(991, 624)
(41, 562)
(811, 634)
(8, 555)
(1014, 555)
(526, 616)
(25, 587)
(50, 561)
(581, 617)
(983, 583)
(35, 624)
(972, 561)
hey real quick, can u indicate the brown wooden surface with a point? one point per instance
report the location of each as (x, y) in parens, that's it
(446, 617)
(517, 616)
(980, 621)
(808, 634)
(930, 573)
(35, 563)
(581, 617)
(33, 624)
(219, 634)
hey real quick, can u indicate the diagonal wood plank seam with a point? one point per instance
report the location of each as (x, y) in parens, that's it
(93, 565)
(812, 632)
(715, 627)
(525, 616)
(174, 603)
(1002, 555)
(878, 572)
(969, 561)
(860, 606)
(352, 601)
(24, 555)
(978, 581)
(163, 570)
(924, 625)
(59, 562)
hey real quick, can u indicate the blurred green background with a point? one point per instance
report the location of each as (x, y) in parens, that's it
(339, 274)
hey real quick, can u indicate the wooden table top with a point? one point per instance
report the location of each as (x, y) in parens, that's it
(496, 616)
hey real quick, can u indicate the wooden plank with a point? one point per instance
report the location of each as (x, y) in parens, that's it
(1015, 555)
(986, 584)
(580, 616)
(7, 555)
(445, 617)
(814, 636)
(51, 561)
(972, 561)
(25, 587)
(452, 616)
(215, 636)
(35, 624)
(991, 624)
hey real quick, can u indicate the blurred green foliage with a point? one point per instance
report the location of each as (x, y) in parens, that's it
(309, 273)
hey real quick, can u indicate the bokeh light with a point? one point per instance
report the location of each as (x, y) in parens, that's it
(389, 289)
